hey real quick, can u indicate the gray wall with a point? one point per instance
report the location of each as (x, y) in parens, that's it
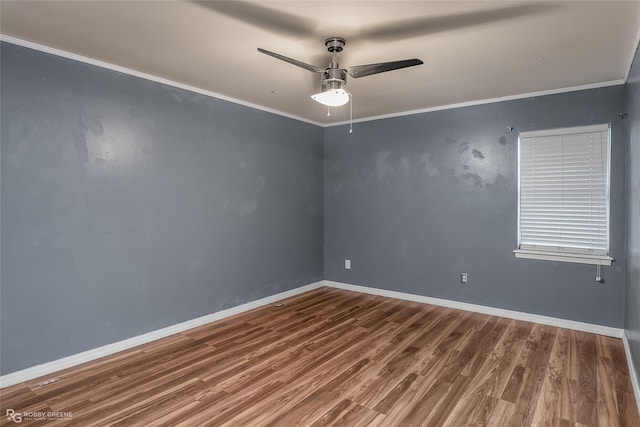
(128, 206)
(414, 201)
(632, 311)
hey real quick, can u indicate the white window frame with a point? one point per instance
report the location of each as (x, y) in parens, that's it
(581, 256)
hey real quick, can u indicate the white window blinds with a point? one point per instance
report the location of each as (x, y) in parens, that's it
(564, 190)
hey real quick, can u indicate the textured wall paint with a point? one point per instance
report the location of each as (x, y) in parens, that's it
(128, 206)
(632, 311)
(414, 201)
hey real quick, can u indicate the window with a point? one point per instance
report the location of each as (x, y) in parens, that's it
(563, 203)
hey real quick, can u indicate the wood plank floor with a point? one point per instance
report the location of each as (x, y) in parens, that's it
(333, 357)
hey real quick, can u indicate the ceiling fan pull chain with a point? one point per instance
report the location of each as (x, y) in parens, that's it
(350, 114)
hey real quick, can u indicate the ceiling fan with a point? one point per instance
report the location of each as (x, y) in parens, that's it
(333, 78)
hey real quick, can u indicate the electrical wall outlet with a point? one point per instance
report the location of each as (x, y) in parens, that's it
(464, 278)
(347, 264)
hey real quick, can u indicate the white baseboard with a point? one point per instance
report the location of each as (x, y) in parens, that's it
(518, 315)
(510, 314)
(96, 353)
(632, 370)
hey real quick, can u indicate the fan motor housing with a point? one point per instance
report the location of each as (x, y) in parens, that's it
(333, 78)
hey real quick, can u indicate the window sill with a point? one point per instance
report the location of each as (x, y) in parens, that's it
(564, 257)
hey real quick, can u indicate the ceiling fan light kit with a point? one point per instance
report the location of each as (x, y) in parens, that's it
(332, 97)
(333, 78)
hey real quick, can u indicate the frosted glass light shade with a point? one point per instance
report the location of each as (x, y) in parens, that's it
(332, 97)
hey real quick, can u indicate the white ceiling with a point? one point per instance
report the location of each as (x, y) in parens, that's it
(471, 50)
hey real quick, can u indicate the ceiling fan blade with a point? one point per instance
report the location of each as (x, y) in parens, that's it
(300, 64)
(369, 69)
(263, 17)
(422, 26)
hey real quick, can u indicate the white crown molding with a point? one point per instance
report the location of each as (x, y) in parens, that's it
(632, 370)
(129, 71)
(118, 68)
(633, 53)
(96, 353)
(500, 312)
(484, 101)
